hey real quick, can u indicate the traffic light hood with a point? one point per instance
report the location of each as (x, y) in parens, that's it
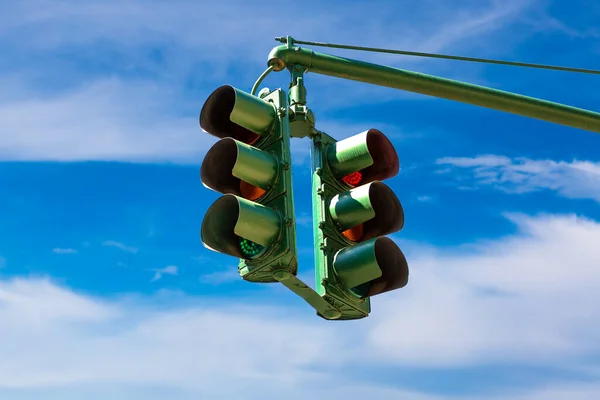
(231, 219)
(230, 112)
(372, 267)
(367, 211)
(231, 166)
(369, 153)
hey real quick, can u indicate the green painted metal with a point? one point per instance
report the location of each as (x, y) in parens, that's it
(320, 304)
(302, 118)
(356, 265)
(259, 80)
(290, 56)
(352, 208)
(372, 267)
(293, 41)
(232, 217)
(281, 256)
(252, 113)
(230, 161)
(346, 271)
(228, 106)
(257, 223)
(268, 220)
(254, 166)
(349, 155)
(373, 205)
(328, 241)
(354, 154)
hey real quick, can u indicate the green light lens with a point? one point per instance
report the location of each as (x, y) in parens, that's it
(249, 248)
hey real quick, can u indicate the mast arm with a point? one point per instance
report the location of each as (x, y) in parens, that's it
(285, 56)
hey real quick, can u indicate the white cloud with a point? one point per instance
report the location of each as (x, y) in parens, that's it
(223, 33)
(530, 298)
(231, 274)
(150, 119)
(526, 299)
(168, 270)
(576, 179)
(425, 199)
(78, 340)
(59, 250)
(107, 120)
(120, 246)
(475, 23)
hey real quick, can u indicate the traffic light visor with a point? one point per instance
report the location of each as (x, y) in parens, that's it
(240, 228)
(372, 267)
(367, 211)
(230, 112)
(231, 166)
(363, 158)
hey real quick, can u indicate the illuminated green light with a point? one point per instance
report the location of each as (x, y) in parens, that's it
(250, 248)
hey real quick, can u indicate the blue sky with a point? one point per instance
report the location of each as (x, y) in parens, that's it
(107, 292)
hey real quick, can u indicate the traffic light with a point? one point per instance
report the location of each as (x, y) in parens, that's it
(250, 166)
(354, 211)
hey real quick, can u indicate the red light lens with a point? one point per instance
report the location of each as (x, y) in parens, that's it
(353, 179)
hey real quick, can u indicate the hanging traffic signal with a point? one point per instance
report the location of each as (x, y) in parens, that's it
(250, 166)
(354, 258)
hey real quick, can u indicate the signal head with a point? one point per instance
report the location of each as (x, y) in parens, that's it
(239, 227)
(367, 212)
(229, 112)
(372, 267)
(363, 158)
(231, 166)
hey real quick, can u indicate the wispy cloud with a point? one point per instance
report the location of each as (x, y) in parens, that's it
(445, 307)
(425, 198)
(576, 179)
(508, 300)
(151, 118)
(120, 246)
(60, 250)
(168, 270)
(90, 123)
(218, 277)
(305, 220)
(472, 24)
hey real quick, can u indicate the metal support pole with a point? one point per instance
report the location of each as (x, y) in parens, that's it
(286, 56)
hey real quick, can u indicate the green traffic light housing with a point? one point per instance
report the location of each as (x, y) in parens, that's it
(231, 166)
(230, 112)
(363, 158)
(355, 209)
(238, 227)
(254, 220)
(367, 211)
(372, 267)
